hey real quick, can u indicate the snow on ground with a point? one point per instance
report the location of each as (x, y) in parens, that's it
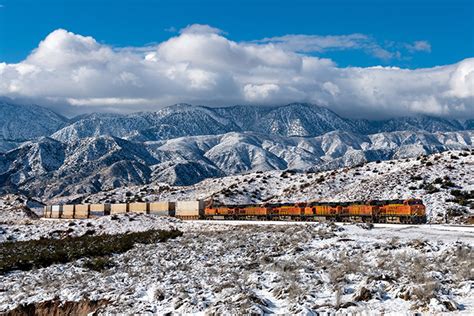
(229, 267)
(16, 209)
(430, 178)
(242, 267)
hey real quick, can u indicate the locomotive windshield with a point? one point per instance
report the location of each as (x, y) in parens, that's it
(415, 202)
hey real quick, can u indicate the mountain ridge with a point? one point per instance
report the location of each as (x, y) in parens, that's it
(49, 168)
(184, 144)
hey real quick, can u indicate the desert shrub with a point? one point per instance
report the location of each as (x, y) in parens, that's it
(425, 291)
(98, 263)
(430, 188)
(462, 197)
(448, 184)
(26, 255)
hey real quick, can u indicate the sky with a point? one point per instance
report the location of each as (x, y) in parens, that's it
(359, 58)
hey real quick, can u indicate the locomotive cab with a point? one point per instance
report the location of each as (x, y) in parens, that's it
(417, 209)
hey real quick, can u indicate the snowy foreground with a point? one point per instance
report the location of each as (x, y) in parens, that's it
(261, 267)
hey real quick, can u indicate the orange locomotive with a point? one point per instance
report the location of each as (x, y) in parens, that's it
(410, 211)
(250, 211)
(398, 211)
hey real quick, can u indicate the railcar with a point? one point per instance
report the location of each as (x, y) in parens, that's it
(189, 209)
(287, 211)
(361, 212)
(322, 212)
(162, 208)
(411, 211)
(388, 211)
(81, 211)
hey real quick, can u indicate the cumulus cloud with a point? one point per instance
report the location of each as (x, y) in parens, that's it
(201, 29)
(201, 65)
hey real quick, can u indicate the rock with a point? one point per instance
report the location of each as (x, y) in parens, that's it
(362, 294)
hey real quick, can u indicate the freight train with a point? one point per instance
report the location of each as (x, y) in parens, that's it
(410, 211)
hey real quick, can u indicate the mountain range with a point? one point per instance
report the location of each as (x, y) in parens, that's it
(46, 155)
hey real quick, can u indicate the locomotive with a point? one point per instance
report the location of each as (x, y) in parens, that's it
(410, 211)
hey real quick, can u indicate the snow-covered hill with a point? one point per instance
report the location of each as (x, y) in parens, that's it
(19, 123)
(442, 180)
(48, 168)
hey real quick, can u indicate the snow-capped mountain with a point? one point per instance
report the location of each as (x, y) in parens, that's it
(49, 168)
(184, 144)
(296, 119)
(20, 123)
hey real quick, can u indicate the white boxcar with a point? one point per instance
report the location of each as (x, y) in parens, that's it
(68, 211)
(96, 210)
(138, 207)
(56, 211)
(119, 208)
(162, 208)
(81, 211)
(47, 211)
(190, 209)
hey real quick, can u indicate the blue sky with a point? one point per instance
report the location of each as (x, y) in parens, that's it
(372, 59)
(446, 25)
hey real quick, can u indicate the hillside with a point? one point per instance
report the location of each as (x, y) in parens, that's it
(184, 144)
(48, 168)
(20, 123)
(443, 181)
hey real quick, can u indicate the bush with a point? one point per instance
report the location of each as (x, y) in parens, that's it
(462, 197)
(99, 263)
(430, 189)
(448, 184)
(26, 255)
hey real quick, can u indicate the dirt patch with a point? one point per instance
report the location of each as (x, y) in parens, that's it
(55, 308)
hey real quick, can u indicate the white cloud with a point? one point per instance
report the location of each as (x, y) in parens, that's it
(419, 46)
(200, 29)
(259, 92)
(319, 44)
(171, 29)
(200, 65)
